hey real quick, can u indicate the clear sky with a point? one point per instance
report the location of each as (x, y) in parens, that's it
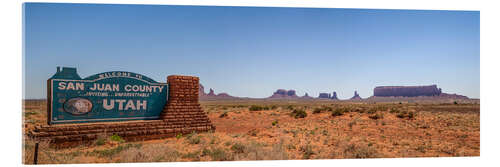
(251, 52)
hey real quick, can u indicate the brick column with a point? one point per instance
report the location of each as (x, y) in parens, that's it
(182, 107)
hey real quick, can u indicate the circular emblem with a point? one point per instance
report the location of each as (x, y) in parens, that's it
(78, 106)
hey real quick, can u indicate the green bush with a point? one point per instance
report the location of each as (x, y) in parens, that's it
(258, 108)
(275, 122)
(298, 113)
(117, 138)
(179, 136)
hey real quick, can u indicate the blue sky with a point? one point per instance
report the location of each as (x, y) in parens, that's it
(251, 52)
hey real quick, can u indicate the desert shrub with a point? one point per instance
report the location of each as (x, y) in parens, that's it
(372, 110)
(376, 116)
(217, 154)
(320, 109)
(317, 110)
(356, 151)
(223, 115)
(252, 132)
(179, 136)
(455, 102)
(192, 155)
(255, 108)
(402, 114)
(275, 122)
(298, 113)
(290, 107)
(100, 141)
(193, 138)
(394, 110)
(338, 112)
(324, 132)
(382, 108)
(117, 138)
(258, 151)
(274, 107)
(406, 114)
(352, 123)
(205, 152)
(29, 113)
(307, 151)
(258, 108)
(113, 151)
(238, 148)
(411, 115)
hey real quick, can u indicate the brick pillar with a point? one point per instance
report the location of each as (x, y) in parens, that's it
(182, 107)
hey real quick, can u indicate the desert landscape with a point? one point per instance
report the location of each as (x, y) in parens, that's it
(285, 129)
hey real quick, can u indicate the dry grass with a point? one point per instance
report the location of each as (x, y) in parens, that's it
(360, 131)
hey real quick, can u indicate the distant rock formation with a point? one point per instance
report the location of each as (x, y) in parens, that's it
(201, 91)
(306, 96)
(356, 96)
(328, 96)
(452, 96)
(211, 94)
(334, 96)
(407, 91)
(324, 95)
(223, 95)
(282, 93)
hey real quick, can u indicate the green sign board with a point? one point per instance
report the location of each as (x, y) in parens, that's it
(108, 96)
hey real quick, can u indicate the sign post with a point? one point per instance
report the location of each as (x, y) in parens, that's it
(108, 96)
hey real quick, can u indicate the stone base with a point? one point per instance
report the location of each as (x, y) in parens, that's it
(76, 134)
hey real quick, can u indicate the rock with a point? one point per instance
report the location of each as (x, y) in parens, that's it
(334, 96)
(306, 96)
(452, 96)
(211, 93)
(356, 96)
(201, 91)
(282, 93)
(324, 95)
(407, 91)
(212, 96)
(223, 95)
